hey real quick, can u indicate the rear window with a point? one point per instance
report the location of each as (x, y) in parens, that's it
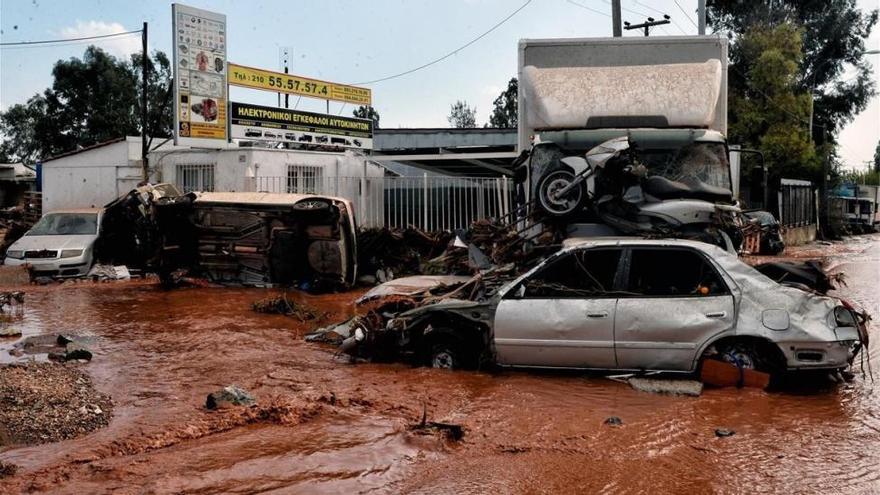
(672, 273)
(578, 274)
(66, 224)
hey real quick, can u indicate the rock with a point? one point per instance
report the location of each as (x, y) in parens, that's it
(7, 469)
(723, 432)
(64, 339)
(56, 356)
(614, 421)
(227, 397)
(77, 350)
(9, 332)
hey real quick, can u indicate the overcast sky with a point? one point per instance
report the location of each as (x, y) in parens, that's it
(355, 41)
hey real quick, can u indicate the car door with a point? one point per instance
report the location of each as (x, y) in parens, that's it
(561, 315)
(674, 301)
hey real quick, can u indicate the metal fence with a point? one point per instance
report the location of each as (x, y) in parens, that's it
(797, 203)
(428, 203)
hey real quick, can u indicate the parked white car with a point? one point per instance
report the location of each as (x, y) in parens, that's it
(631, 304)
(60, 244)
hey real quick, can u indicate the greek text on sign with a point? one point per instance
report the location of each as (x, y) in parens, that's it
(281, 125)
(278, 82)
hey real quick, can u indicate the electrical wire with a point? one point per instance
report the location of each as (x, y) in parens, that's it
(444, 57)
(67, 40)
(588, 8)
(685, 13)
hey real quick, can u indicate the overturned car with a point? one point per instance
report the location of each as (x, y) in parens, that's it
(623, 304)
(228, 237)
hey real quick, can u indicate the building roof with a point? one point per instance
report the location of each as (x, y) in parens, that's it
(87, 148)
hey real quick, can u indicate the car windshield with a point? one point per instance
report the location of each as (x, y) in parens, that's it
(697, 163)
(66, 224)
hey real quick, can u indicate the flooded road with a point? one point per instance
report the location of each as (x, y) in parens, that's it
(323, 425)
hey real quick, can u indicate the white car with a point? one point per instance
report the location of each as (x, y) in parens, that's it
(60, 244)
(629, 304)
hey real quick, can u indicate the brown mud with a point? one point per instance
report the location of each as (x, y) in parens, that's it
(323, 425)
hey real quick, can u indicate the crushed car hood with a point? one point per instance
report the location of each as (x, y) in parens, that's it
(410, 286)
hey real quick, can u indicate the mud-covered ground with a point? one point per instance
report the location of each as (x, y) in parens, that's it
(322, 425)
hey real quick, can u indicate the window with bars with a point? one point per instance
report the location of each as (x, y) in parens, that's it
(305, 179)
(195, 177)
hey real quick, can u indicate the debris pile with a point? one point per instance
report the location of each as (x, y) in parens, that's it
(48, 402)
(398, 252)
(281, 305)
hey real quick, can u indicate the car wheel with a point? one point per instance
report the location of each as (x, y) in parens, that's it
(746, 355)
(447, 352)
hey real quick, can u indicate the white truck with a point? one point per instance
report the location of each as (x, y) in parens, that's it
(629, 133)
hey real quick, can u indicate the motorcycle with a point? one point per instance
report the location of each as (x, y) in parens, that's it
(610, 183)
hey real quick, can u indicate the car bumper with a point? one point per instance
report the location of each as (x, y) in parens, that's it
(55, 267)
(819, 355)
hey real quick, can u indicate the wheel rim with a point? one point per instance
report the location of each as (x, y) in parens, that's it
(550, 187)
(740, 358)
(443, 360)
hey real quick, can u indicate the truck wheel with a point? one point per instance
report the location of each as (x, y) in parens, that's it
(552, 182)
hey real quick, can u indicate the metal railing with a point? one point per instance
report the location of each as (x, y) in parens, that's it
(796, 203)
(427, 203)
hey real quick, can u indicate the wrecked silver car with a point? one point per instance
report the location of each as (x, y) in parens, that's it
(627, 304)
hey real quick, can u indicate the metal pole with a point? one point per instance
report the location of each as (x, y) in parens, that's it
(701, 17)
(144, 165)
(615, 19)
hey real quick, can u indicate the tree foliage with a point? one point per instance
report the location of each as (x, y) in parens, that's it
(92, 99)
(504, 114)
(461, 115)
(877, 158)
(367, 112)
(833, 34)
(768, 110)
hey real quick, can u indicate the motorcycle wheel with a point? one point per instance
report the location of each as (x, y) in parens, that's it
(556, 180)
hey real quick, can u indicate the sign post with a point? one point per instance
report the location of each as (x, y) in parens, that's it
(200, 85)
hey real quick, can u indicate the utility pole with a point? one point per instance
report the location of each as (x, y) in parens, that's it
(701, 17)
(647, 25)
(285, 59)
(615, 18)
(144, 151)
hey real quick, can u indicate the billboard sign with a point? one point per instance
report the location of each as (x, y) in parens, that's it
(278, 82)
(280, 125)
(199, 77)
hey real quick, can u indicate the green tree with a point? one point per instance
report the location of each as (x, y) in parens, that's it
(461, 115)
(504, 114)
(877, 158)
(367, 112)
(768, 110)
(833, 37)
(92, 99)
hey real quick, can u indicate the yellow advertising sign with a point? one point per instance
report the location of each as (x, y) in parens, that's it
(278, 82)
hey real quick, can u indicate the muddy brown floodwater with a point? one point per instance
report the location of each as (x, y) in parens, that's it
(326, 426)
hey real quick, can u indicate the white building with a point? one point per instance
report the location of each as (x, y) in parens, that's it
(94, 176)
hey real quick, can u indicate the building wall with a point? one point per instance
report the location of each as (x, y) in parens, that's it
(89, 179)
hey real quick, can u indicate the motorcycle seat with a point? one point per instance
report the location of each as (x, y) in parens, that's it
(663, 188)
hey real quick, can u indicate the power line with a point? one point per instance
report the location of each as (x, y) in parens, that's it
(63, 40)
(685, 14)
(444, 57)
(628, 10)
(588, 8)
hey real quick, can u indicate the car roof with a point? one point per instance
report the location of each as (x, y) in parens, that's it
(76, 210)
(574, 242)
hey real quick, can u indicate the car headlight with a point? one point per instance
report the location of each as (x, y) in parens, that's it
(15, 254)
(71, 253)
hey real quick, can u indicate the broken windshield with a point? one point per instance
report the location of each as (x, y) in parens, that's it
(696, 164)
(66, 224)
